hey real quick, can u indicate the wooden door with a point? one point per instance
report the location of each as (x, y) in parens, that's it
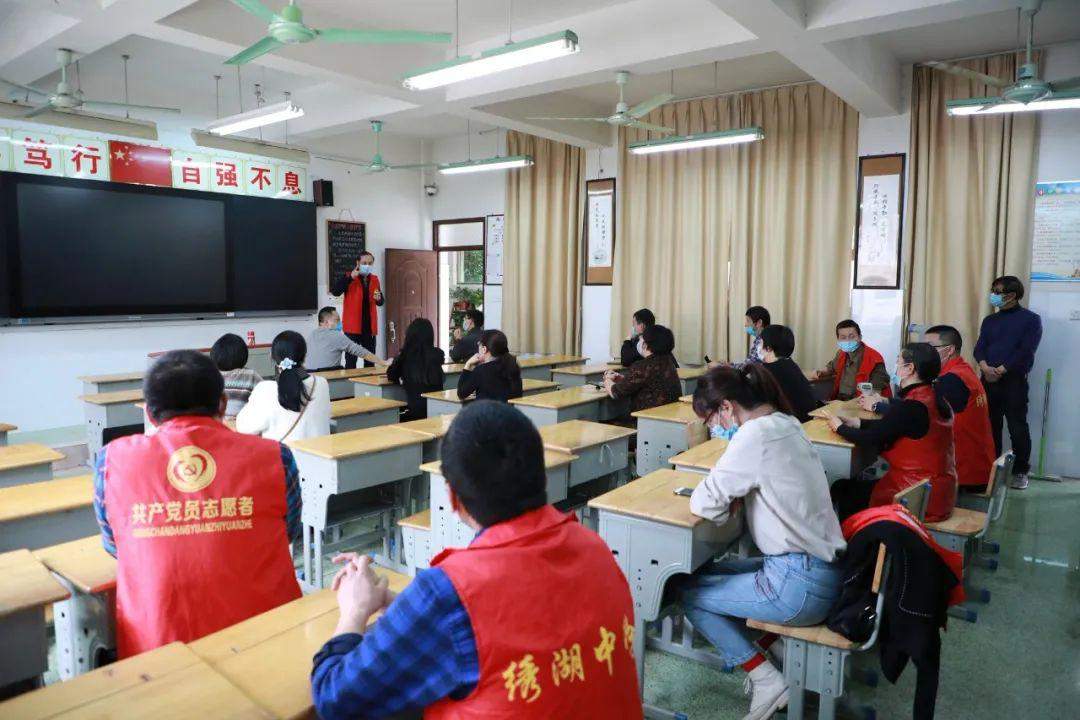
(412, 291)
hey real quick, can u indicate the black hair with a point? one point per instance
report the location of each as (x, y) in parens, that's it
(493, 460)
(291, 393)
(949, 335)
(476, 316)
(229, 352)
(326, 312)
(757, 313)
(749, 386)
(182, 382)
(659, 340)
(927, 364)
(418, 346)
(780, 339)
(367, 253)
(645, 317)
(1010, 284)
(496, 343)
(849, 323)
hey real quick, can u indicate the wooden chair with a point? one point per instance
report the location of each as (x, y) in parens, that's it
(815, 657)
(915, 498)
(992, 499)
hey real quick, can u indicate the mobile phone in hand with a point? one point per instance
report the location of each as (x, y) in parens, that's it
(707, 360)
(684, 491)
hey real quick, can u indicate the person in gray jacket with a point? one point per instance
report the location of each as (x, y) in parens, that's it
(328, 342)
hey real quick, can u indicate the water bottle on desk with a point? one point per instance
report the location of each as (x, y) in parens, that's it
(251, 338)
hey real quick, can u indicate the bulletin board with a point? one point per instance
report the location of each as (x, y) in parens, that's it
(599, 231)
(879, 222)
(345, 240)
(1055, 246)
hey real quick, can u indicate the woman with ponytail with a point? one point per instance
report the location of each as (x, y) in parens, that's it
(292, 406)
(914, 435)
(772, 471)
(492, 373)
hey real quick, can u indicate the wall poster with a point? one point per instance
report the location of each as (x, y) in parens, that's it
(599, 231)
(878, 222)
(1055, 247)
(493, 249)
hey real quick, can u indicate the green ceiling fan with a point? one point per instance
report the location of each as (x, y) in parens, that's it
(288, 28)
(377, 165)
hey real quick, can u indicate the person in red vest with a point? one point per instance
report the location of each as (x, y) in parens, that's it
(533, 619)
(914, 435)
(198, 517)
(855, 362)
(363, 298)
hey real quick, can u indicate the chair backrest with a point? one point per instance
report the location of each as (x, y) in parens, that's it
(915, 498)
(997, 487)
(877, 586)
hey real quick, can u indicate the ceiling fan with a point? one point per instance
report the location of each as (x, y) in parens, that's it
(377, 164)
(625, 116)
(68, 98)
(288, 28)
(1027, 92)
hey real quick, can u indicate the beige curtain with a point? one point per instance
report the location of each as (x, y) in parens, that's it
(542, 250)
(704, 234)
(971, 199)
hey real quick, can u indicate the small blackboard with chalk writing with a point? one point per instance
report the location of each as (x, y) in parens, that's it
(345, 240)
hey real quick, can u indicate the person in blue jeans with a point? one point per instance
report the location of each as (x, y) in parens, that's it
(773, 472)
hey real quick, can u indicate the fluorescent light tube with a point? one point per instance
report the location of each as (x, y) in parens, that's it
(996, 106)
(250, 147)
(505, 57)
(266, 115)
(493, 163)
(81, 120)
(700, 140)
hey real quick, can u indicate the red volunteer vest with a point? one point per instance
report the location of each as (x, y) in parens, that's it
(971, 428)
(930, 457)
(871, 358)
(354, 305)
(198, 515)
(553, 621)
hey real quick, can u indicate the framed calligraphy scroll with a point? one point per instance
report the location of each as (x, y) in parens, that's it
(878, 222)
(599, 231)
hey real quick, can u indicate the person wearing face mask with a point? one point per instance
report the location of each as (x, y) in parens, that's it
(778, 343)
(327, 342)
(653, 380)
(757, 319)
(465, 346)
(1005, 352)
(492, 373)
(773, 471)
(363, 298)
(855, 362)
(643, 319)
(914, 435)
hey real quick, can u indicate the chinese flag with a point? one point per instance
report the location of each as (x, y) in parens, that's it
(141, 164)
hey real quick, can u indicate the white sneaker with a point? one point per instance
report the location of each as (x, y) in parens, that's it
(1020, 482)
(770, 692)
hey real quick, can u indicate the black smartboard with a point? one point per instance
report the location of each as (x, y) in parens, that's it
(345, 240)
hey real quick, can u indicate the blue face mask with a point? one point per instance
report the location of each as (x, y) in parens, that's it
(848, 346)
(895, 379)
(996, 300)
(338, 326)
(719, 431)
(365, 269)
(750, 330)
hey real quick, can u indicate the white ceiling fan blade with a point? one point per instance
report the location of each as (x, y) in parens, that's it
(571, 119)
(644, 108)
(649, 126)
(970, 74)
(1067, 84)
(130, 106)
(37, 111)
(24, 87)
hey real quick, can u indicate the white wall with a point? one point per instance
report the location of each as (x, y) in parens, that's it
(596, 340)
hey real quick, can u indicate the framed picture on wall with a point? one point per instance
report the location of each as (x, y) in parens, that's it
(599, 231)
(878, 222)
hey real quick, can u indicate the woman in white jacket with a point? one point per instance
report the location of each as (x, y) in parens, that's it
(295, 404)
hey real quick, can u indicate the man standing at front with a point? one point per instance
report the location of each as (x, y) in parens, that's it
(363, 297)
(198, 517)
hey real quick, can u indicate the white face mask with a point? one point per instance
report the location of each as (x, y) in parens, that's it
(641, 347)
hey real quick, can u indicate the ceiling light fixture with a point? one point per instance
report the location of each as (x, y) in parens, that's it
(250, 147)
(82, 120)
(265, 115)
(492, 163)
(700, 140)
(996, 106)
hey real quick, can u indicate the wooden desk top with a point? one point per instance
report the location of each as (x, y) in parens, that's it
(563, 359)
(686, 399)
(159, 353)
(229, 422)
(818, 431)
(453, 368)
(531, 385)
(585, 369)
(676, 412)
(27, 584)
(569, 397)
(5, 427)
(703, 456)
(420, 521)
(345, 374)
(552, 459)
(356, 442)
(447, 396)
(377, 380)
(652, 497)
(113, 398)
(115, 377)
(430, 427)
(84, 563)
(362, 406)
(686, 373)
(847, 408)
(574, 435)
(20, 502)
(26, 454)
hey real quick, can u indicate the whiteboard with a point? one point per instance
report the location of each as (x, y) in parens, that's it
(1055, 247)
(493, 251)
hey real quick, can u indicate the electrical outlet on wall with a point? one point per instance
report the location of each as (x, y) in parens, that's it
(1074, 315)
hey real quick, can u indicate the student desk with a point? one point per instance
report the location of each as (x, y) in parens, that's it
(377, 386)
(577, 403)
(686, 399)
(688, 378)
(105, 411)
(334, 465)
(416, 540)
(665, 431)
(847, 408)
(149, 428)
(356, 413)
(85, 622)
(540, 367)
(39, 514)
(338, 380)
(26, 590)
(653, 536)
(26, 463)
(452, 373)
(259, 359)
(94, 384)
(447, 402)
(268, 656)
(5, 428)
(840, 458)
(167, 683)
(432, 429)
(822, 389)
(573, 375)
(600, 449)
(700, 458)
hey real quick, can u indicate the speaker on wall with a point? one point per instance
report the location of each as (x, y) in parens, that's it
(324, 193)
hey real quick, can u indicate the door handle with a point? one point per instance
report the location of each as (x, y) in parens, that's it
(393, 332)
